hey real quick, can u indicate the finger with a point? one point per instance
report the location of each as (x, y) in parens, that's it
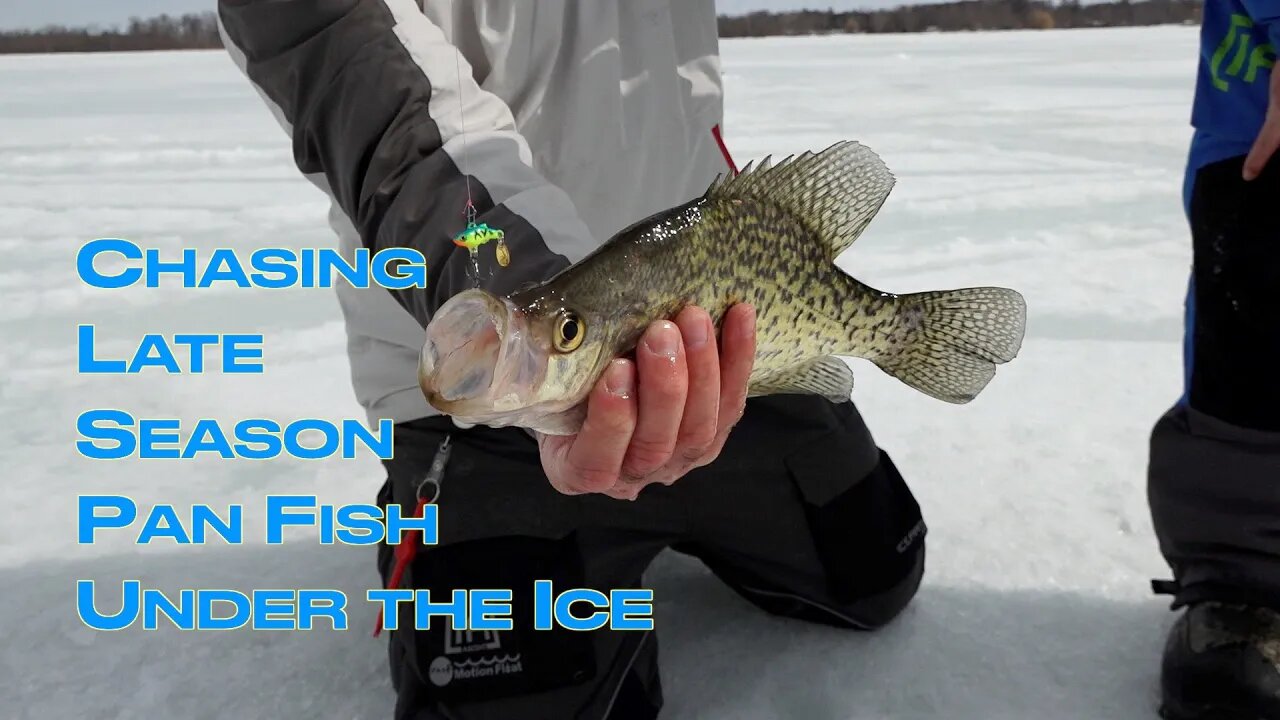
(1264, 147)
(662, 383)
(702, 405)
(737, 357)
(593, 461)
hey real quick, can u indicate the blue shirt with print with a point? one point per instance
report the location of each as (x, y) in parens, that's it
(1238, 39)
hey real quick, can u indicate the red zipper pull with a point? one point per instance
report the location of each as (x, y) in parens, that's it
(407, 550)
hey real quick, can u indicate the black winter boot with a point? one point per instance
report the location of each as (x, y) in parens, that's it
(1222, 662)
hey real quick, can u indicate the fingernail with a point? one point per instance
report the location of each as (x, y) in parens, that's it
(664, 341)
(618, 380)
(697, 334)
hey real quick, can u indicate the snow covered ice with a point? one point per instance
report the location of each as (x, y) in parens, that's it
(1048, 162)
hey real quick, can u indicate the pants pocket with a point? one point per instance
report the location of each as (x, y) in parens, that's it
(869, 535)
(458, 666)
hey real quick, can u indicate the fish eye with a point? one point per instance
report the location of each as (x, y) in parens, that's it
(569, 332)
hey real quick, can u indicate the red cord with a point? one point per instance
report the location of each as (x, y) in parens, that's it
(405, 552)
(715, 130)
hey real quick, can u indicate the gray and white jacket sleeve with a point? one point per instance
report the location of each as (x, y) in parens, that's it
(374, 97)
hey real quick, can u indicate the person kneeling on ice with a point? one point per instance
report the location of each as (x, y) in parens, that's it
(1214, 475)
(560, 125)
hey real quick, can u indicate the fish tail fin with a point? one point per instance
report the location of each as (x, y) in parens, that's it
(954, 339)
(835, 192)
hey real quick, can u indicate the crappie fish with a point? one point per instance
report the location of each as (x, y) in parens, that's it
(768, 236)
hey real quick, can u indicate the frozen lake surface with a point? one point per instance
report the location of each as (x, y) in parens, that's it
(1047, 162)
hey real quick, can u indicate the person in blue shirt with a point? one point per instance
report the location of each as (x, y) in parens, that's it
(1214, 475)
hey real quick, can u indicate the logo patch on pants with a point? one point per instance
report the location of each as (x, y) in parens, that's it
(461, 665)
(484, 657)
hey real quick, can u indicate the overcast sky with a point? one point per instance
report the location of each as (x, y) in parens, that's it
(105, 13)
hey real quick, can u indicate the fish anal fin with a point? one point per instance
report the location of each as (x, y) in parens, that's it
(827, 376)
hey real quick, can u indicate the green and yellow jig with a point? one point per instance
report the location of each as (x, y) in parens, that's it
(477, 234)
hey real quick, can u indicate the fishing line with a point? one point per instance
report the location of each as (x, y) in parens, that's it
(475, 234)
(462, 117)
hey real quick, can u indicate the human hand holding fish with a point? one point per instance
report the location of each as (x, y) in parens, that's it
(668, 412)
(1268, 140)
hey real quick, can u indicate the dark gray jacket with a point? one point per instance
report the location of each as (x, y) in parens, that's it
(579, 118)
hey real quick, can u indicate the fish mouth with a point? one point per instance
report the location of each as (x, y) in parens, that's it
(479, 362)
(463, 349)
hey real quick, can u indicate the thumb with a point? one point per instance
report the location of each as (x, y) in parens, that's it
(1263, 147)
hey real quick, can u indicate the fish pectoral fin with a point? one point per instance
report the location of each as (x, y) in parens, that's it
(827, 376)
(835, 192)
(956, 340)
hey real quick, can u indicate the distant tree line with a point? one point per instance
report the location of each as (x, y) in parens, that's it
(167, 32)
(965, 15)
(200, 31)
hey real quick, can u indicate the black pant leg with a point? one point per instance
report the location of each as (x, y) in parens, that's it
(1214, 474)
(1235, 225)
(806, 517)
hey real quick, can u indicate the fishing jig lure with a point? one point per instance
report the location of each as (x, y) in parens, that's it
(477, 234)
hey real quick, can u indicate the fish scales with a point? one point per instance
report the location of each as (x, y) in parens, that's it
(715, 253)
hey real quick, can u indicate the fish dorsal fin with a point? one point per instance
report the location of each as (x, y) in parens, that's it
(827, 376)
(835, 192)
